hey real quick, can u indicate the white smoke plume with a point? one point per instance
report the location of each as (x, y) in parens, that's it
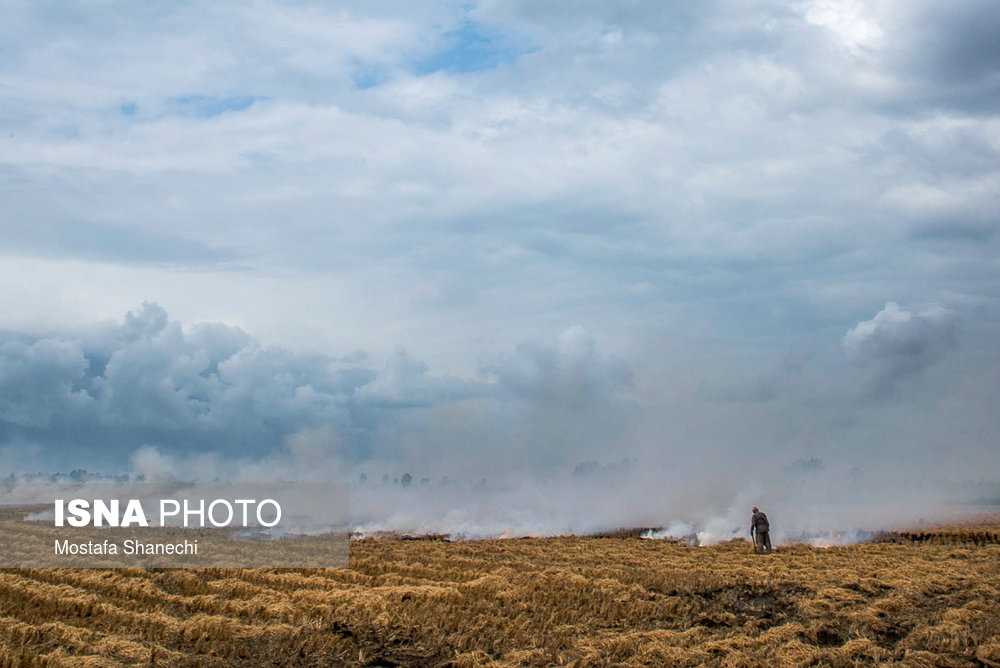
(819, 507)
(553, 438)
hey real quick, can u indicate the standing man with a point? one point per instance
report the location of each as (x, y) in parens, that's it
(760, 531)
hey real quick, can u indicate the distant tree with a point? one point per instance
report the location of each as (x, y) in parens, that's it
(406, 480)
(805, 467)
(363, 479)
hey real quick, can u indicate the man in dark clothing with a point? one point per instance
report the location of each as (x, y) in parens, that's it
(760, 531)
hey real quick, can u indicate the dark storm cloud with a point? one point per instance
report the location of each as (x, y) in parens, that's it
(211, 388)
(957, 43)
(147, 380)
(897, 344)
(40, 382)
(939, 57)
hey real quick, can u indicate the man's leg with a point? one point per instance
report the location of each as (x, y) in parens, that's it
(767, 540)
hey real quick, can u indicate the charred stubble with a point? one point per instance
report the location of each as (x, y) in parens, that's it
(932, 599)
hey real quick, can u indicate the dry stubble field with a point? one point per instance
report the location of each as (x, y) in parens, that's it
(930, 599)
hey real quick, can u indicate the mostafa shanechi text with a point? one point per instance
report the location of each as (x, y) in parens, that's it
(129, 547)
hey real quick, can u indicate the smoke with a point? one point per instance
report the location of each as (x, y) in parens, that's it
(554, 437)
(819, 505)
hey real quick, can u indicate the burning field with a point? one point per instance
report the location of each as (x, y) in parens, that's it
(929, 598)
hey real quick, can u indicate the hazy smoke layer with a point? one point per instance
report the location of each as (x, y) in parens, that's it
(554, 437)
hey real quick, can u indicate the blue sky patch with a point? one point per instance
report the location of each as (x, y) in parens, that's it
(207, 106)
(365, 76)
(471, 48)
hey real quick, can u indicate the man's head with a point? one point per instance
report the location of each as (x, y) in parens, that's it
(756, 509)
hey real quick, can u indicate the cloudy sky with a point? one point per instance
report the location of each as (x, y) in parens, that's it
(476, 237)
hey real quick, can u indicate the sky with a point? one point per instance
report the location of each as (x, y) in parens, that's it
(502, 239)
